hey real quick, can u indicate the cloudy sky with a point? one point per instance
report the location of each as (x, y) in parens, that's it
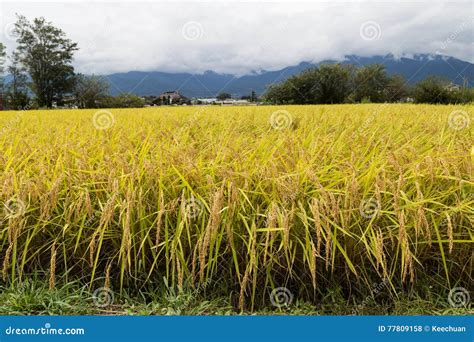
(243, 36)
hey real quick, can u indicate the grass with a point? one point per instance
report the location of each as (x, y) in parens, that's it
(323, 201)
(34, 297)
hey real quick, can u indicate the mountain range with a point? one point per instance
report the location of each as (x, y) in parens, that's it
(210, 83)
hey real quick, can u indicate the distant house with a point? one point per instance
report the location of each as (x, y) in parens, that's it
(204, 101)
(452, 87)
(215, 101)
(171, 98)
(233, 102)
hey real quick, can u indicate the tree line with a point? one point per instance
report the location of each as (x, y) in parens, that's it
(345, 83)
(41, 75)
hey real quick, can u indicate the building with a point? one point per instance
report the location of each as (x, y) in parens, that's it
(171, 98)
(204, 101)
(215, 101)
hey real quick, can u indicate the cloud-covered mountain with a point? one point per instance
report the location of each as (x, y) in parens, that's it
(210, 83)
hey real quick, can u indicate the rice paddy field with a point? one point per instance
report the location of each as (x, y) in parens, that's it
(355, 207)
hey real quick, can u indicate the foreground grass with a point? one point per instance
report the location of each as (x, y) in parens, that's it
(34, 297)
(320, 201)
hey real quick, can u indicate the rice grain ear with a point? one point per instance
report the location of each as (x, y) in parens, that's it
(193, 264)
(243, 287)
(180, 274)
(286, 229)
(315, 211)
(52, 267)
(107, 276)
(450, 232)
(6, 262)
(159, 218)
(313, 262)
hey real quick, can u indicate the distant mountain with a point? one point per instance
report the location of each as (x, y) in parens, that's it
(209, 84)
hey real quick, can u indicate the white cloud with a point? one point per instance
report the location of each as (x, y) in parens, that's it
(238, 37)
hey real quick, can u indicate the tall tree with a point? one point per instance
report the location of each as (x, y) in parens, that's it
(223, 96)
(396, 88)
(371, 83)
(333, 83)
(17, 89)
(2, 58)
(433, 89)
(253, 96)
(47, 55)
(90, 91)
(327, 84)
(2, 66)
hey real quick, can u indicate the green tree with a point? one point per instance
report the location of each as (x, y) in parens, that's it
(3, 55)
(127, 100)
(396, 88)
(17, 89)
(47, 55)
(432, 90)
(90, 91)
(370, 83)
(253, 96)
(328, 84)
(2, 75)
(332, 83)
(223, 96)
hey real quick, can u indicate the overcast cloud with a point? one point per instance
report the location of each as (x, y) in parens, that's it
(240, 37)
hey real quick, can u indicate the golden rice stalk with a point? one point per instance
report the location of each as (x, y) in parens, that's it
(243, 287)
(52, 268)
(315, 211)
(312, 263)
(159, 219)
(213, 224)
(450, 232)
(271, 223)
(6, 262)
(107, 276)
(180, 275)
